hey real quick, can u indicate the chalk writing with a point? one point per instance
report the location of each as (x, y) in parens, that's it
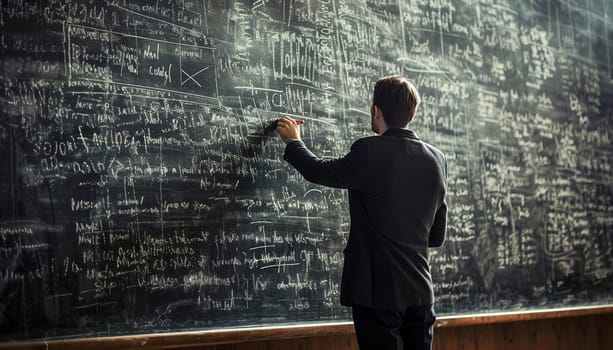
(138, 191)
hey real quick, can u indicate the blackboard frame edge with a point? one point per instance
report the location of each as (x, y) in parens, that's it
(194, 339)
(518, 316)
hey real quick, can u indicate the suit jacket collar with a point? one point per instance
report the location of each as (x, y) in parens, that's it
(399, 132)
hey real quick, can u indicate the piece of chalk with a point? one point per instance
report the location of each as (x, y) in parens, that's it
(299, 122)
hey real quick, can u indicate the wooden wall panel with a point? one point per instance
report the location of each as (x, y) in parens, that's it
(570, 333)
(594, 332)
(582, 329)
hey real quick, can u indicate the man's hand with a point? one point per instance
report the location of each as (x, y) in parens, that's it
(288, 130)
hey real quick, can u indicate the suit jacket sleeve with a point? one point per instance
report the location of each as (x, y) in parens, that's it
(339, 173)
(439, 227)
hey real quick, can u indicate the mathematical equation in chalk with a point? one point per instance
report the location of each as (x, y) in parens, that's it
(139, 191)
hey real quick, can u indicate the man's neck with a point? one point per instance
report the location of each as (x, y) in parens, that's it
(382, 130)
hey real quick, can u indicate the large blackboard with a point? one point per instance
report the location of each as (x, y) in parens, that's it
(138, 193)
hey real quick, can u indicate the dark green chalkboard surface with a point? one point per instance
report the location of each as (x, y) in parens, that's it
(138, 193)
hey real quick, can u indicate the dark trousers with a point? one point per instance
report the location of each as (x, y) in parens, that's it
(408, 329)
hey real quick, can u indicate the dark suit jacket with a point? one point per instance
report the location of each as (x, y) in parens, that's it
(397, 186)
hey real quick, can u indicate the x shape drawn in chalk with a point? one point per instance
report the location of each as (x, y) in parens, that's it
(191, 77)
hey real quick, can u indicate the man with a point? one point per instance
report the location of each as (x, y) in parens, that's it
(397, 187)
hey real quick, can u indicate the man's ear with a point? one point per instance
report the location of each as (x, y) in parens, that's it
(377, 112)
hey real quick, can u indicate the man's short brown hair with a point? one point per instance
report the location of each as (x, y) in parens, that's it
(398, 100)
